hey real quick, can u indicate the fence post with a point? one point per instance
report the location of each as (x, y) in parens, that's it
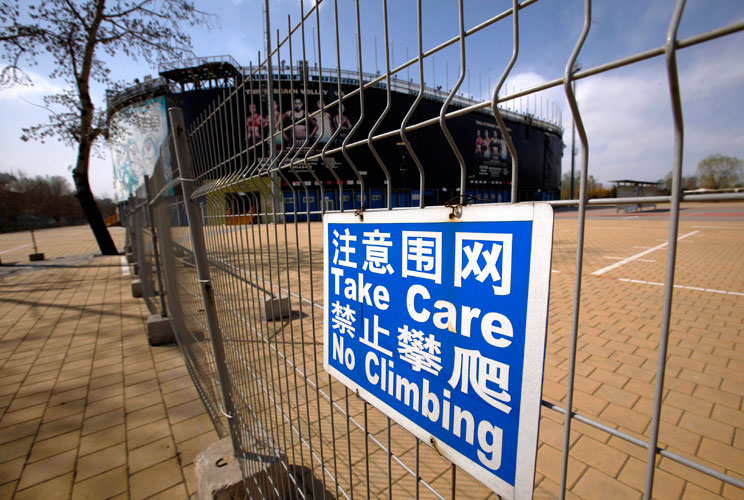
(155, 255)
(183, 160)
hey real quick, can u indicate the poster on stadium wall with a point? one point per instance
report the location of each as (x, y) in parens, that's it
(440, 324)
(137, 134)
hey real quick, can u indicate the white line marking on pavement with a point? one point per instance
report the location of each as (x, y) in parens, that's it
(621, 258)
(638, 256)
(124, 266)
(555, 271)
(16, 248)
(631, 217)
(697, 288)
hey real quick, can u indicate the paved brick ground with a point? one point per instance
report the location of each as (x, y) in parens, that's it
(87, 408)
(702, 416)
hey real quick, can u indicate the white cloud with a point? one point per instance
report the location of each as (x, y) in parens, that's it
(39, 87)
(628, 116)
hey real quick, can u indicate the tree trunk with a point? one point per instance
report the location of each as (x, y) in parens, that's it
(88, 204)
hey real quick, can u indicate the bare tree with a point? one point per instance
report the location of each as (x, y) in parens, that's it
(77, 35)
(718, 171)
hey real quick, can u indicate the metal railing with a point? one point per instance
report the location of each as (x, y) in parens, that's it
(242, 255)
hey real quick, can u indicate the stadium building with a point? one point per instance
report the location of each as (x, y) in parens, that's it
(138, 116)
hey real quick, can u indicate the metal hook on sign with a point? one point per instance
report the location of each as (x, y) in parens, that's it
(223, 412)
(457, 203)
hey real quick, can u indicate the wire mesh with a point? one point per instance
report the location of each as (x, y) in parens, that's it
(252, 313)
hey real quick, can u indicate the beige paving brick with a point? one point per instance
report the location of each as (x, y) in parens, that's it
(68, 396)
(104, 485)
(594, 482)
(180, 397)
(145, 416)
(155, 479)
(176, 384)
(139, 377)
(11, 469)
(105, 392)
(666, 485)
(101, 461)
(625, 418)
(143, 401)
(7, 489)
(103, 421)
(102, 439)
(151, 454)
(618, 396)
(59, 426)
(74, 383)
(106, 380)
(177, 492)
(54, 446)
(173, 373)
(141, 388)
(59, 488)
(708, 427)
(549, 464)
(196, 426)
(15, 449)
(147, 433)
(20, 416)
(190, 448)
(137, 367)
(688, 403)
(18, 431)
(48, 468)
(104, 406)
(599, 456)
(185, 411)
(683, 472)
(721, 454)
(63, 410)
(28, 401)
(190, 478)
(719, 397)
(107, 370)
(693, 491)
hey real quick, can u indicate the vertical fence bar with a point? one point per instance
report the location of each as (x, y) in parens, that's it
(679, 139)
(183, 158)
(568, 76)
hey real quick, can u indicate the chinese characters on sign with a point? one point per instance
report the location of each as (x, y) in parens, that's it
(441, 325)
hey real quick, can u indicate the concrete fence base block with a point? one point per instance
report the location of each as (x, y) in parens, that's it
(218, 475)
(35, 257)
(130, 257)
(159, 330)
(136, 288)
(275, 308)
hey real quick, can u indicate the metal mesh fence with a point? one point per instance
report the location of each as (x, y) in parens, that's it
(144, 250)
(242, 244)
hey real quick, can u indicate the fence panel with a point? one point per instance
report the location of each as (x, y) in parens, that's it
(246, 274)
(178, 262)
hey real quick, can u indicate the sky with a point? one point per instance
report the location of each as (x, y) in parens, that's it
(626, 111)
